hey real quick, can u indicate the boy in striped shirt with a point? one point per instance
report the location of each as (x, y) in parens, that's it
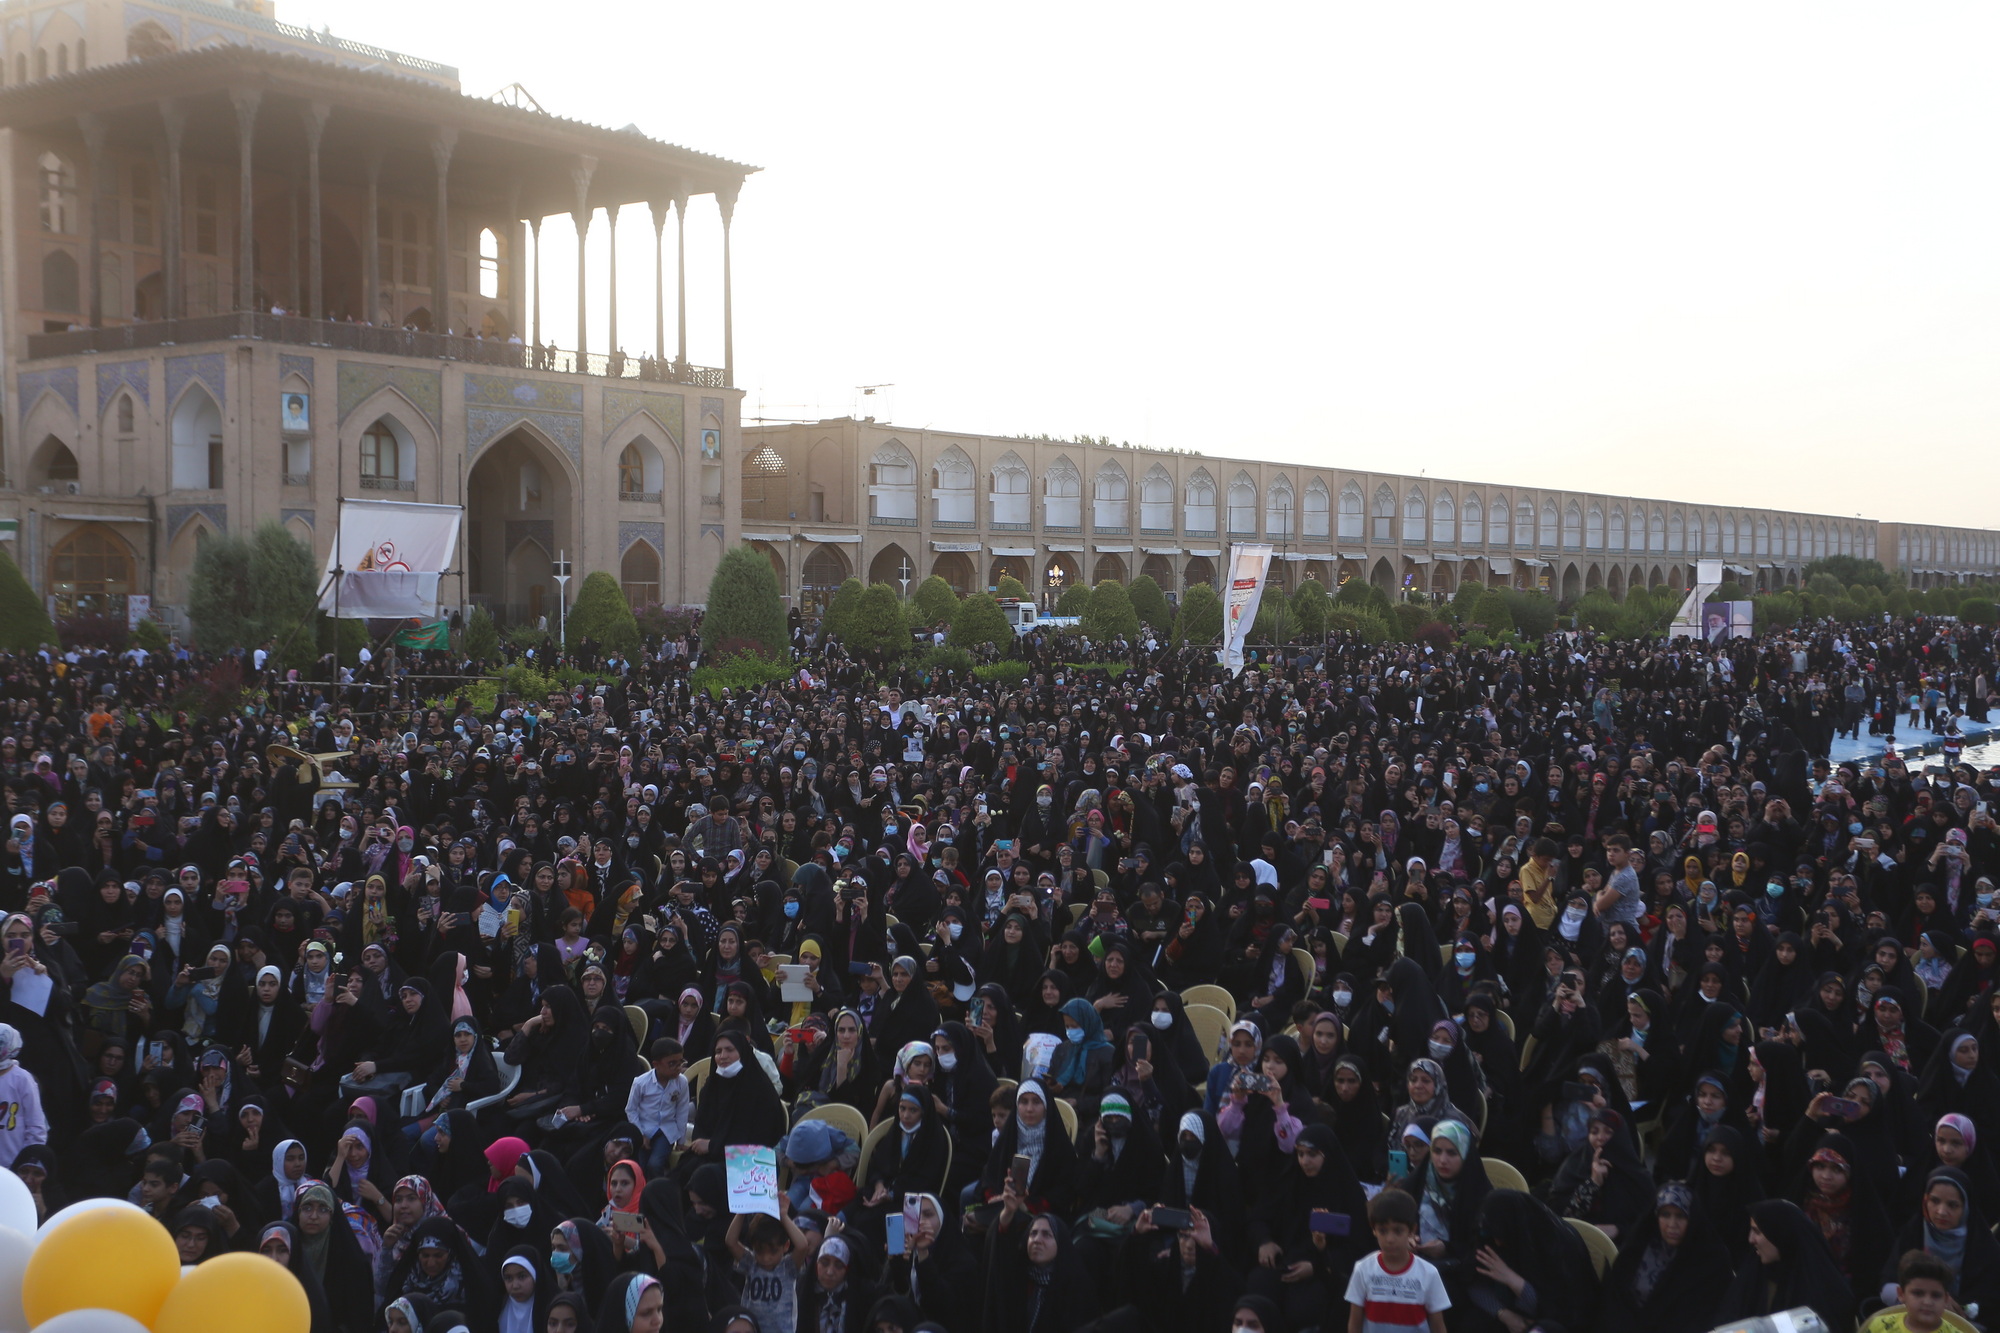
(1394, 1290)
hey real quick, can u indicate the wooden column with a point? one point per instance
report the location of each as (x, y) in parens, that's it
(314, 115)
(92, 128)
(580, 175)
(246, 101)
(725, 199)
(173, 121)
(443, 141)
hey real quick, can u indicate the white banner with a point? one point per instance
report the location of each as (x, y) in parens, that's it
(1248, 565)
(388, 554)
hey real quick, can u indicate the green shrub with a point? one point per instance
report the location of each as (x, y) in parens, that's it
(1437, 634)
(1075, 600)
(1000, 673)
(1977, 611)
(1110, 613)
(1408, 618)
(1492, 611)
(1360, 622)
(150, 635)
(1111, 669)
(1009, 586)
(1150, 603)
(482, 640)
(746, 608)
(1730, 591)
(1310, 606)
(1199, 622)
(840, 611)
(24, 617)
(603, 616)
(935, 601)
(1852, 569)
(878, 629)
(979, 622)
(947, 658)
(1534, 613)
(744, 672)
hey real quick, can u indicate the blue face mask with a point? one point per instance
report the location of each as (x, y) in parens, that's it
(1464, 960)
(1480, 787)
(1855, 828)
(1775, 889)
(791, 909)
(888, 830)
(1073, 1034)
(562, 1260)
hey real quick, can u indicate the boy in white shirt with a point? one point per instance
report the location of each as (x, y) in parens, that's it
(1394, 1290)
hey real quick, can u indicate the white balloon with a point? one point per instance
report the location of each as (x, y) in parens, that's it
(91, 1321)
(85, 1206)
(17, 1204)
(15, 1249)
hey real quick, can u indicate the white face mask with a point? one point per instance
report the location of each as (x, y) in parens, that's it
(405, 844)
(1162, 1019)
(947, 1062)
(730, 1070)
(517, 1216)
(1343, 998)
(957, 929)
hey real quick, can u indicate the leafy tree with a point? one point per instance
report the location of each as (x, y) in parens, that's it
(1597, 610)
(1110, 613)
(1364, 624)
(1150, 603)
(1359, 592)
(840, 611)
(1492, 611)
(1977, 611)
(979, 621)
(150, 635)
(1075, 600)
(1009, 586)
(246, 590)
(1310, 607)
(1534, 613)
(1852, 569)
(603, 616)
(1466, 598)
(1779, 610)
(1730, 591)
(1825, 585)
(878, 629)
(935, 601)
(24, 619)
(1409, 617)
(482, 638)
(1200, 619)
(746, 610)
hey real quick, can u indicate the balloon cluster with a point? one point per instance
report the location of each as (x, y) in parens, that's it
(106, 1266)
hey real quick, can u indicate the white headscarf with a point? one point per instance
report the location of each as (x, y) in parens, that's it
(10, 1047)
(287, 1188)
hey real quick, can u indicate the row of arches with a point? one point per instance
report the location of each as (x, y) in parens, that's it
(1283, 509)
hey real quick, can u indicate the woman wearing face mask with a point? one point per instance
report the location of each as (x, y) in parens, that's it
(1081, 1068)
(521, 1216)
(737, 1104)
(580, 1259)
(905, 1012)
(962, 1093)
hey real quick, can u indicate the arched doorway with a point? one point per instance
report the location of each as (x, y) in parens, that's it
(91, 573)
(639, 574)
(1109, 567)
(520, 515)
(892, 565)
(1061, 572)
(1161, 571)
(1614, 583)
(1008, 567)
(954, 568)
(1383, 576)
(777, 559)
(825, 570)
(1200, 569)
(1572, 584)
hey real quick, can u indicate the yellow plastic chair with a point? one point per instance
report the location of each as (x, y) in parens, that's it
(1527, 1050)
(641, 1023)
(1215, 997)
(1307, 965)
(697, 1074)
(875, 1136)
(1951, 1320)
(1068, 1114)
(1603, 1250)
(1211, 1028)
(842, 1117)
(1504, 1175)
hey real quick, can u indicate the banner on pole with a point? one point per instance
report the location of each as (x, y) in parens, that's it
(389, 554)
(420, 634)
(1249, 563)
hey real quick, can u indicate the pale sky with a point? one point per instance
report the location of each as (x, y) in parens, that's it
(1731, 252)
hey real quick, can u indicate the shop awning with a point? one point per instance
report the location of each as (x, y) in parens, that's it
(1013, 550)
(830, 537)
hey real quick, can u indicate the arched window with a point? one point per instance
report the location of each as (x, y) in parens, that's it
(381, 453)
(892, 485)
(1317, 504)
(1524, 524)
(90, 570)
(1009, 496)
(952, 497)
(1656, 531)
(1617, 537)
(1711, 535)
(1111, 499)
(58, 195)
(125, 414)
(1201, 504)
(1062, 496)
(207, 228)
(1156, 500)
(1353, 519)
(1414, 517)
(489, 264)
(53, 462)
(1472, 528)
(1744, 538)
(197, 443)
(1572, 525)
(1444, 520)
(1278, 506)
(1382, 514)
(1676, 533)
(641, 472)
(1498, 531)
(639, 574)
(1763, 535)
(1242, 504)
(1593, 529)
(1549, 537)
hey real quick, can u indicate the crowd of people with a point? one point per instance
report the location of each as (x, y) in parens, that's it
(1377, 987)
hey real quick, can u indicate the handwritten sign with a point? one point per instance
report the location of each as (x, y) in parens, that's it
(752, 1174)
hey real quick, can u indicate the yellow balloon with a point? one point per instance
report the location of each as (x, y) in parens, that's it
(105, 1259)
(236, 1293)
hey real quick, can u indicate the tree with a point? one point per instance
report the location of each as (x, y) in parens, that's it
(746, 610)
(1491, 611)
(1824, 584)
(1009, 586)
(1852, 569)
(979, 621)
(1977, 611)
(840, 611)
(246, 590)
(1310, 607)
(1730, 591)
(1534, 613)
(1110, 613)
(1276, 623)
(1467, 597)
(24, 620)
(1365, 625)
(1200, 620)
(150, 635)
(482, 638)
(935, 601)
(603, 616)
(1150, 603)
(879, 628)
(1075, 600)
